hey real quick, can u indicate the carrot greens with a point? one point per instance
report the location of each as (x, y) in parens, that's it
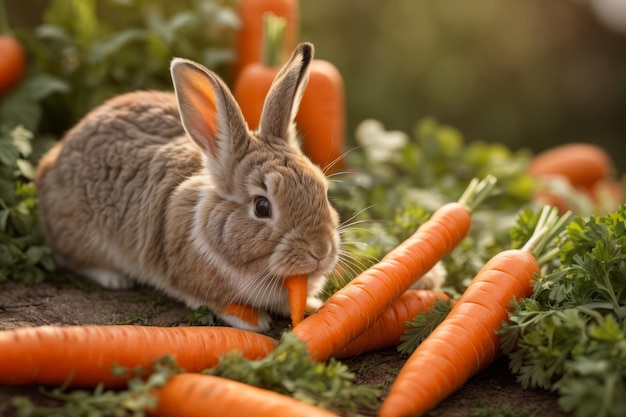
(422, 325)
(570, 334)
(290, 370)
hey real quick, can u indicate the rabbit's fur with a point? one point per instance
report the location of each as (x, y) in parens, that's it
(126, 195)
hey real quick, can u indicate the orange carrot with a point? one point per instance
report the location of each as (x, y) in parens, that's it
(582, 164)
(321, 119)
(250, 90)
(196, 395)
(255, 79)
(388, 329)
(85, 354)
(351, 310)
(249, 39)
(245, 313)
(296, 291)
(13, 62)
(466, 341)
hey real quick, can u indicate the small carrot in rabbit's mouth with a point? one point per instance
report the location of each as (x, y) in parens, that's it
(296, 287)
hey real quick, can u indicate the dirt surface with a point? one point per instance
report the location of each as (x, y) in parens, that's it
(65, 303)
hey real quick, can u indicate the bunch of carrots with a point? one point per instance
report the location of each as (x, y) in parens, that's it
(268, 34)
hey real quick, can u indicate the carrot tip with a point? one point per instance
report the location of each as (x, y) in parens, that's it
(296, 287)
(244, 312)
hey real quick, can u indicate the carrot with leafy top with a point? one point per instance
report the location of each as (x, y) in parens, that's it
(388, 329)
(84, 355)
(255, 79)
(249, 39)
(466, 341)
(351, 310)
(197, 395)
(321, 115)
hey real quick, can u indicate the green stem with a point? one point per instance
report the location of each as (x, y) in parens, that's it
(549, 227)
(273, 39)
(477, 191)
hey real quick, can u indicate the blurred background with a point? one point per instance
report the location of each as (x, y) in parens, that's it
(529, 73)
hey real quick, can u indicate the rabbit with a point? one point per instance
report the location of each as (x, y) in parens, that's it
(173, 190)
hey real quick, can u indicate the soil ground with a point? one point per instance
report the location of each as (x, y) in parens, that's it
(64, 303)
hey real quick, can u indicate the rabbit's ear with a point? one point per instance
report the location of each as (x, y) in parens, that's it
(282, 101)
(208, 111)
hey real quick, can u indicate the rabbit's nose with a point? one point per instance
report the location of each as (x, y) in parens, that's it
(320, 251)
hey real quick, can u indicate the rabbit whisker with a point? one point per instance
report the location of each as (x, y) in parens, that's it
(339, 158)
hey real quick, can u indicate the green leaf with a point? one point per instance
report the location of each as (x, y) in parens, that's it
(17, 107)
(7, 192)
(422, 325)
(608, 331)
(40, 86)
(8, 152)
(25, 168)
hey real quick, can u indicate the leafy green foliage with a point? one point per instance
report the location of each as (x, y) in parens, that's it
(102, 49)
(289, 370)
(23, 254)
(570, 335)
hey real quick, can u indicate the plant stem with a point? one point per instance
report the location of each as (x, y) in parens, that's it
(549, 226)
(273, 39)
(477, 191)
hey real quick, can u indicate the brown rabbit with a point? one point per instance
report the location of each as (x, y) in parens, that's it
(206, 210)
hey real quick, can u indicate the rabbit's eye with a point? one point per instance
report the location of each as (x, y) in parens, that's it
(262, 208)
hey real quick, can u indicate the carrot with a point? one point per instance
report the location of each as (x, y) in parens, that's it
(249, 39)
(466, 341)
(582, 164)
(351, 310)
(297, 292)
(13, 63)
(388, 329)
(321, 118)
(85, 354)
(196, 395)
(255, 79)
